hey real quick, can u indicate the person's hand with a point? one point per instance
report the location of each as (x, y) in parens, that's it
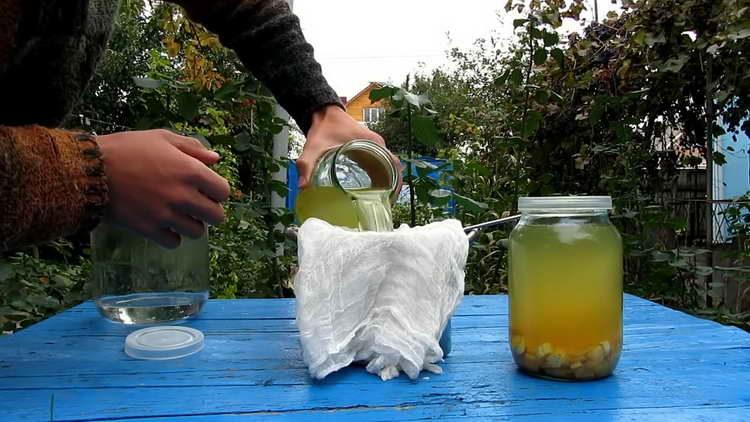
(332, 127)
(160, 185)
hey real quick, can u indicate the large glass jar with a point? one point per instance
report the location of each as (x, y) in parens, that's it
(566, 288)
(136, 281)
(352, 186)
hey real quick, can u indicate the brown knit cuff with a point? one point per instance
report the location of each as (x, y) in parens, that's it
(53, 185)
(94, 185)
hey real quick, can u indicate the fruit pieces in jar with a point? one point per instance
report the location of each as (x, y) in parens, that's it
(546, 359)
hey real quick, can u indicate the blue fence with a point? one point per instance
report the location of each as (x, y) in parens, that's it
(732, 179)
(291, 180)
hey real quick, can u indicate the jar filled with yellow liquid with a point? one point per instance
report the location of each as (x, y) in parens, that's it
(352, 186)
(565, 288)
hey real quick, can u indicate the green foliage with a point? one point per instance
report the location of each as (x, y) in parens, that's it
(425, 130)
(107, 105)
(595, 112)
(397, 130)
(32, 288)
(402, 215)
(486, 265)
(737, 216)
(417, 118)
(239, 268)
(243, 257)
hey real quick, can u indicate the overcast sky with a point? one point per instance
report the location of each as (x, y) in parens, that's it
(359, 41)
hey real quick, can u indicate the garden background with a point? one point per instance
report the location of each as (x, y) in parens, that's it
(630, 107)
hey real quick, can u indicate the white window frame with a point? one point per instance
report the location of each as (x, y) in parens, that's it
(372, 114)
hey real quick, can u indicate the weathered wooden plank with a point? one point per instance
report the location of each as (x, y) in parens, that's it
(282, 308)
(673, 365)
(280, 350)
(266, 372)
(499, 387)
(478, 413)
(260, 315)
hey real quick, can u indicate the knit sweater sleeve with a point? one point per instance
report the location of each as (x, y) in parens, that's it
(268, 39)
(52, 184)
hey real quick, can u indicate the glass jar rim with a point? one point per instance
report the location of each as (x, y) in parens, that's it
(564, 203)
(376, 151)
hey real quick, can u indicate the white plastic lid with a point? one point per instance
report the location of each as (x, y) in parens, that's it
(582, 203)
(163, 343)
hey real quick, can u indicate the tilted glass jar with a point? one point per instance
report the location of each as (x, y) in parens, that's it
(352, 186)
(136, 281)
(358, 164)
(565, 288)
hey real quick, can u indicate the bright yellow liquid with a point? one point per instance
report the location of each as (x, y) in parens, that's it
(566, 296)
(361, 209)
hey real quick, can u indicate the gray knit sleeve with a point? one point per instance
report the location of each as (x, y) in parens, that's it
(268, 39)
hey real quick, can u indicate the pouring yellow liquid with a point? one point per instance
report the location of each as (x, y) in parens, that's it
(566, 299)
(360, 209)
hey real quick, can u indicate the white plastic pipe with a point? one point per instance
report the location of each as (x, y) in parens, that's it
(280, 151)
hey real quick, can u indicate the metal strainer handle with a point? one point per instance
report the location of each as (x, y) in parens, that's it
(471, 231)
(491, 224)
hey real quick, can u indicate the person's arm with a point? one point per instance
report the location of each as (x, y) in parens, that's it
(268, 39)
(52, 184)
(55, 182)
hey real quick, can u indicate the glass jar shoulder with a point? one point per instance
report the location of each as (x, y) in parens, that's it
(565, 229)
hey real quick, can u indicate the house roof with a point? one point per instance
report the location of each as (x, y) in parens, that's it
(369, 86)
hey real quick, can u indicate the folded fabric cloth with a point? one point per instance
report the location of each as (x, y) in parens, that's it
(380, 298)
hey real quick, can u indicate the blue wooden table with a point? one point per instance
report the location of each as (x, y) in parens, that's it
(72, 367)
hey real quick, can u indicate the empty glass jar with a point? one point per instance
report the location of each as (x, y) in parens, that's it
(566, 288)
(136, 281)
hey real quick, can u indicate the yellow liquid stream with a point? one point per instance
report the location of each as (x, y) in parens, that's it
(361, 209)
(566, 299)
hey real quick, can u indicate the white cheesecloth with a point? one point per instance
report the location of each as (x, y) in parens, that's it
(381, 298)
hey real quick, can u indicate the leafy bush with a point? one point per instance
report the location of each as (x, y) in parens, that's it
(595, 112)
(32, 288)
(401, 214)
(244, 259)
